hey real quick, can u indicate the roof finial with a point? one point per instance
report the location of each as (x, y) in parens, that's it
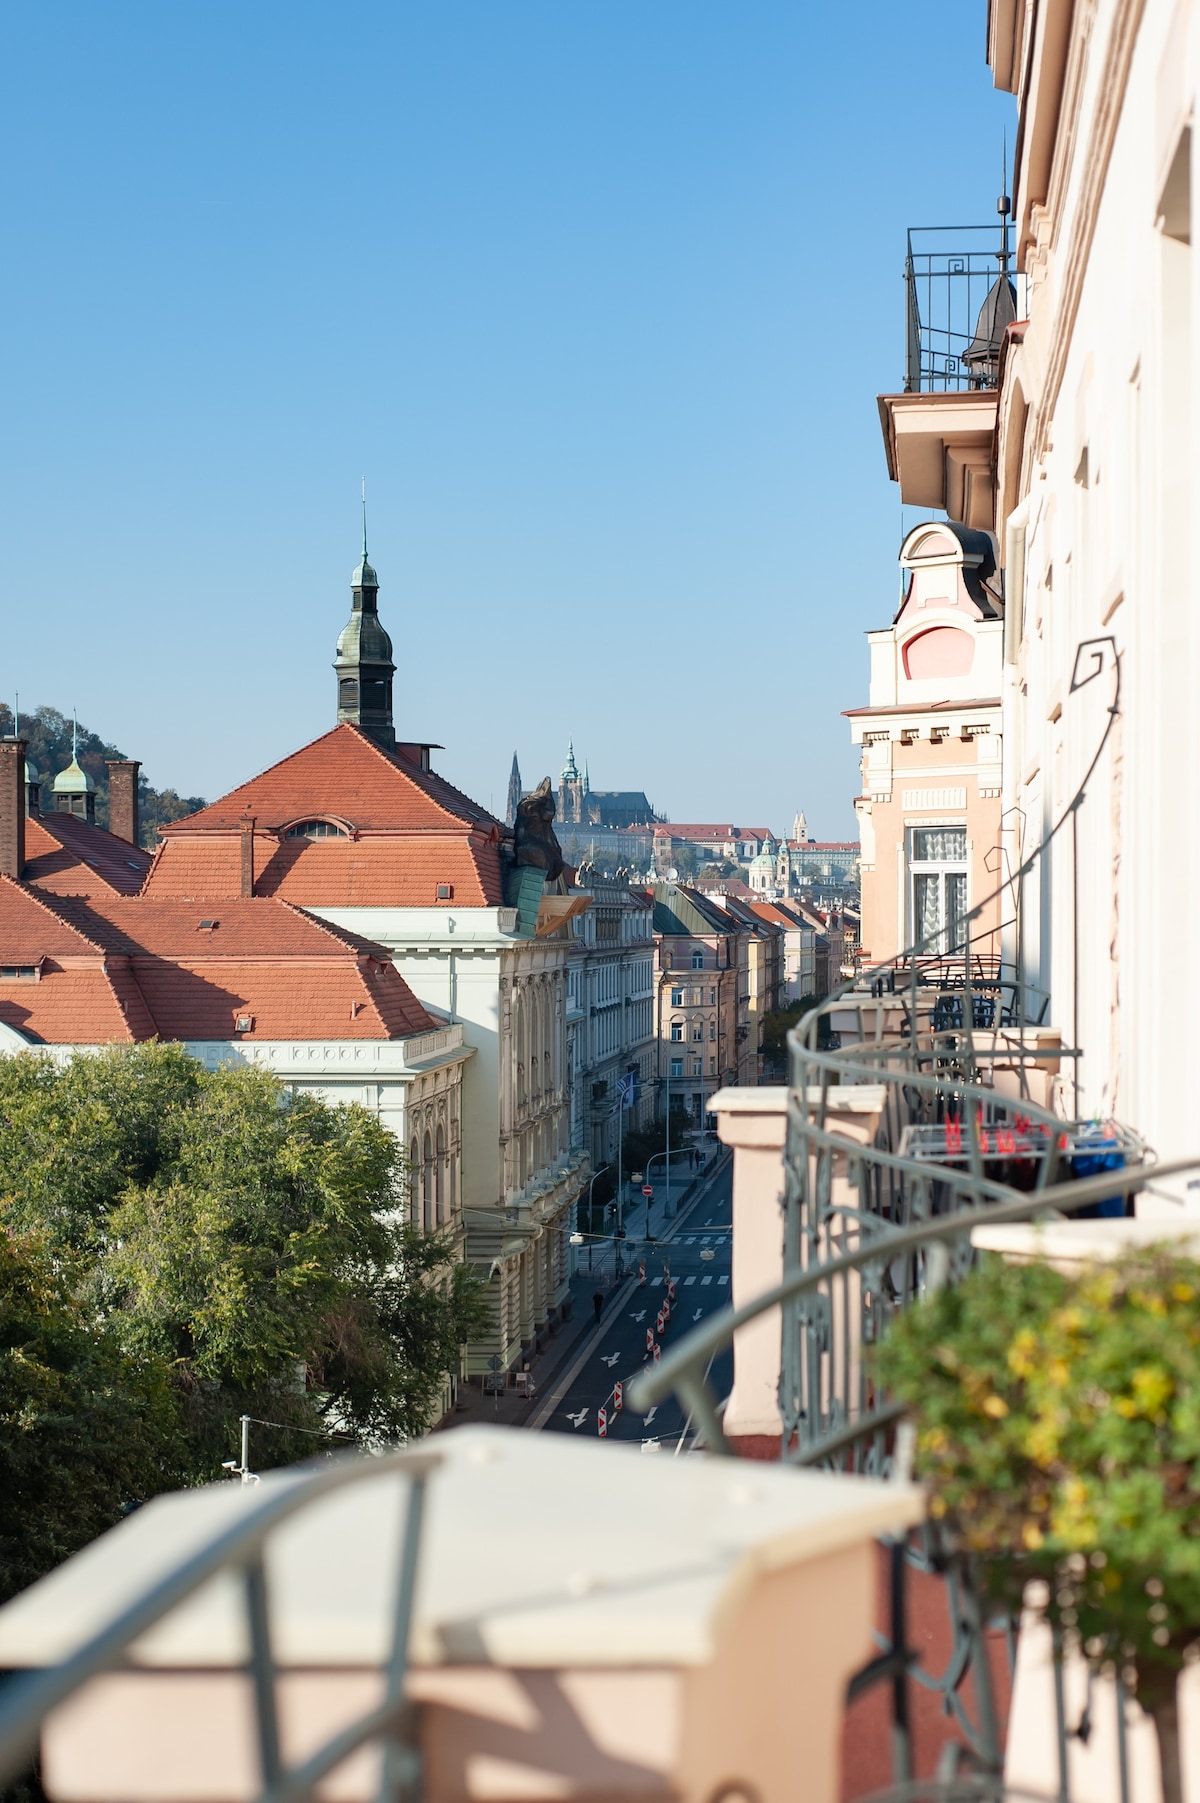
(364, 499)
(16, 716)
(74, 735)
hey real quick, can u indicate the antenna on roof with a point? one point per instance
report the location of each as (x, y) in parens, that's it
(364, 499)
(16, 716)
(1004, 204)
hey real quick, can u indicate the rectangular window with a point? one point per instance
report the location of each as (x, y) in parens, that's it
(677, 1067)
(712, 1067)
(677, 998)
(712, 998)
(698, 1029)
(697, 1067)
(937, 863)
(712, 1029)
(676, 1029)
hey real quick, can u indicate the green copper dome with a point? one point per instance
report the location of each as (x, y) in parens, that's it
(74, 781)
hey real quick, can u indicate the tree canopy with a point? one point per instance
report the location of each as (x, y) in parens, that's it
(49, 736)
(186, 1246)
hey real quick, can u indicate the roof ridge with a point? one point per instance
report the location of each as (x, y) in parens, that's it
(42, 900)
(345, 936)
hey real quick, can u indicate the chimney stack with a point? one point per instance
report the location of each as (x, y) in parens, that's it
(123, 798)
(248, 857)
(12, 808)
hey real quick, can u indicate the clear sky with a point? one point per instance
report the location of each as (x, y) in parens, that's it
(597, 293)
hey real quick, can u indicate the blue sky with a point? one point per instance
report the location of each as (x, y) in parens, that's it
(599, 297)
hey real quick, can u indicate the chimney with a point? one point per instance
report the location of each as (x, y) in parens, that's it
(248, 857)
(123, 798)
(12, 807)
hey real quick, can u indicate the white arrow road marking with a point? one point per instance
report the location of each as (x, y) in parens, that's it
(647, 1419)
(578, 1420)
(640, 1316)
(610, 1362)
(697, 1314)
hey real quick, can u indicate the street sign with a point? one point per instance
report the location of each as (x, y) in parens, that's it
(647, 1190)
(618, 1397)
(602, 1424)
(635, 1176)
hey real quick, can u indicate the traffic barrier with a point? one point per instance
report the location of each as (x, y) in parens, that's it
(602, 1424)
(662, 1321)
(649, 1339)
(618, 1397)
(657, 1354)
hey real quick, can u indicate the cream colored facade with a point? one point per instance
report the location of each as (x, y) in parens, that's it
(929, 811)
(508, 993)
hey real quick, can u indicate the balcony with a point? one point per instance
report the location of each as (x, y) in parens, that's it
(960, 298)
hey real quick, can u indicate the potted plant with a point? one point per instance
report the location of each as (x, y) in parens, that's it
(1058, 1430)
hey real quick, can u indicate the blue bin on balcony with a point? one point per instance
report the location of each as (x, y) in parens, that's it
(1097, 1149)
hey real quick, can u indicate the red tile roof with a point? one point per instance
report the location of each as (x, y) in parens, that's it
(408, 833)
(114, 968)
(72, 857)
(343, 776)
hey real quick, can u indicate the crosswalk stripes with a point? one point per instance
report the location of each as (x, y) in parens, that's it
(705, 1280)
(723, 1279)
(688, 1280)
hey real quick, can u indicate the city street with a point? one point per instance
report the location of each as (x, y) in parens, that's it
(617, 1350)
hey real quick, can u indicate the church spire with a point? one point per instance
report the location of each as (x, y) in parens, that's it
(514, 793)
(364, 657)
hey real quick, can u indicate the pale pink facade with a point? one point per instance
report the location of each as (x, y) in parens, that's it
(929, 811)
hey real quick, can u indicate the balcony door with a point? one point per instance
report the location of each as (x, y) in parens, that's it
(937, 874)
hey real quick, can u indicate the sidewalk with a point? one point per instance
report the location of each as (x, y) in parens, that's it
(510, 1409)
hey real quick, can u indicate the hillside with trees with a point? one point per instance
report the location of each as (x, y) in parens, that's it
(48, 737)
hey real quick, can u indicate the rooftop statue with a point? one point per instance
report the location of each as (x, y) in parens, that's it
(534, 841)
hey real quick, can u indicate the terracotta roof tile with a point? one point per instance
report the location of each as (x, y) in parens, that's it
(343, 775)
(116, 967)
(72, 857)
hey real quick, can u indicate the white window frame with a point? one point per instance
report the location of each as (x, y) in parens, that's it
(941, 868)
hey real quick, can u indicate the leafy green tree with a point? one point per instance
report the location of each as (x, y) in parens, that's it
(85, 1430)
(252, 1242)
(1059, 1429)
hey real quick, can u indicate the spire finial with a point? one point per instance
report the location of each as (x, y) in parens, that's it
(74, 736)
(364, 501)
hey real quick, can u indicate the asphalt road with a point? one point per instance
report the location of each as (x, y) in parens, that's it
(618, 1350)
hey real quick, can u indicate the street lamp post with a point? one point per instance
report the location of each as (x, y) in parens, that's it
(591, 1186)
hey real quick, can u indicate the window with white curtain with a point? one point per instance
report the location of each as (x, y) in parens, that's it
(937, 874)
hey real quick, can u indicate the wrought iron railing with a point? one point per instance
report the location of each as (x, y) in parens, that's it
(972, 1130)
(952, 337)
(28, 1698)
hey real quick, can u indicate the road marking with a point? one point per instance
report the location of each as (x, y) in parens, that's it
(647, 1419)
(578, 1420)
(610, 1362)
(705, 1280)
(691, 1241)
(722, 1280)
(697, 1314)
(655, 1282)
(688, 1280)
(640, 1315)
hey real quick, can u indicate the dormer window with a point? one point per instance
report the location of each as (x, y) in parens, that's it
(20, 973)
(317, 829)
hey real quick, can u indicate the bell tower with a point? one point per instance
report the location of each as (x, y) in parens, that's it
(364, 659)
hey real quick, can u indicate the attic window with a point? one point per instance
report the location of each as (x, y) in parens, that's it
(316, 829)
(19, 973)
(243, 1023)
(445, 891)
(132, 865)
(208, 926)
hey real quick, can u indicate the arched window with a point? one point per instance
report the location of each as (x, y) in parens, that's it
(414, 1178)
(316, 829)
(427, 1187)
(440, 1178)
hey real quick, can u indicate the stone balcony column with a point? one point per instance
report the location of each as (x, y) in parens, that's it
(754, 1123)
